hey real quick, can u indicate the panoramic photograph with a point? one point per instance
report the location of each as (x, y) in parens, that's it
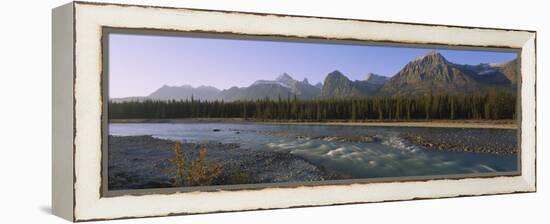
(192, 111)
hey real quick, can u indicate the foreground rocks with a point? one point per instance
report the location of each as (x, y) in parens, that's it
(139, 162)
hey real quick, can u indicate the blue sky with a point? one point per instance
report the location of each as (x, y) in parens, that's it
(140, 64)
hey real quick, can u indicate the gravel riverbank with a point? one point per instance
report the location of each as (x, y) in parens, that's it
(140, 162)
(466, 140)
(485, 124)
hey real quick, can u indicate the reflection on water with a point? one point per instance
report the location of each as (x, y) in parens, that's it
(388, 156)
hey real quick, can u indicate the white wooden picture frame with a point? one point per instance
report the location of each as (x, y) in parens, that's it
(78, 102)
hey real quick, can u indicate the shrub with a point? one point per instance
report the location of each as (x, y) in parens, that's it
(197, 172)
(179, 162)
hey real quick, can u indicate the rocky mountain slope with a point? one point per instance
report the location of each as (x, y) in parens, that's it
(337, 85)
(432, 73)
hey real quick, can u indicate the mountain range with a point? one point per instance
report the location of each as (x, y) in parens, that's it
(433, 73)
(428, 74)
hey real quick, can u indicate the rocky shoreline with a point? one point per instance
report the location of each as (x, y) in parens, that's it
(460, 141)
(141, 162)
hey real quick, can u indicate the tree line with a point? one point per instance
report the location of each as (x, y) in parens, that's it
(491, 105)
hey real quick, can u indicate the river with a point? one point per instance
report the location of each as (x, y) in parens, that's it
(387, 155)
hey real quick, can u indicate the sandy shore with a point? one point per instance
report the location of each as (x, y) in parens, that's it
(499, 124)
